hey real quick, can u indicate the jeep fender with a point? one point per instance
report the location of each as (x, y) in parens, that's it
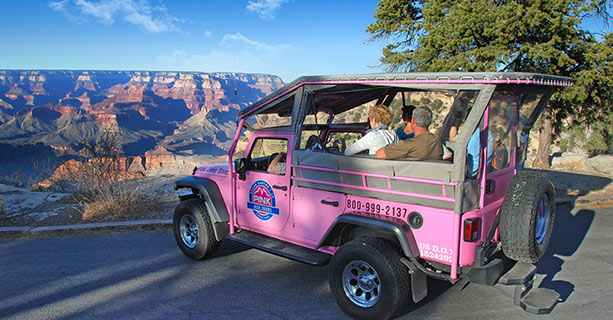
(393, 232)
(209, 192)
(386, 229)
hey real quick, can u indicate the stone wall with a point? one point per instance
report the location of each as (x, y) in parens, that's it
(601, 164)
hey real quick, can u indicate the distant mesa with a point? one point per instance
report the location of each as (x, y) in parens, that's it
(159, 151)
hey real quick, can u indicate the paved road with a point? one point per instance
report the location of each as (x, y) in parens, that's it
(143, 275)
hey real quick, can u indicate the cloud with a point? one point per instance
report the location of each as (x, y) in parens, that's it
(139, 13)
(104, 10)
(58, 6)
(238, 37)
(147, 22)
(265, 8)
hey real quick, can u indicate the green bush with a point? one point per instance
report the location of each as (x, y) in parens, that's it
(594, 138)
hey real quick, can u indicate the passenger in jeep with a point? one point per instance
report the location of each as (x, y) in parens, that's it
(424, 145)
(277, 165)
(474, 146)
(406, 130)
(379, 117)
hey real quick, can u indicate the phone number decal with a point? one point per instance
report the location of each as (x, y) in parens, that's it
(377, 208)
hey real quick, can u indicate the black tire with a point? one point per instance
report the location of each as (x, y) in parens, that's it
(193, 230)
(383, 287)
(527, 215)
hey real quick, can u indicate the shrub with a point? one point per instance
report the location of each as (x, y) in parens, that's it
(100, 189)
(115, 200)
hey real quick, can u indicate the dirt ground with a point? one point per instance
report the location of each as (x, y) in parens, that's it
(36, 209)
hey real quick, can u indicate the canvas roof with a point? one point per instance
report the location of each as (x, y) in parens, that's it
(430, 79)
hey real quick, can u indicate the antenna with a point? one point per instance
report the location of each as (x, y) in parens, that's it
(235, 90)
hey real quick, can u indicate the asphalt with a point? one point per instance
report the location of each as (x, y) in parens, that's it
(143, 275)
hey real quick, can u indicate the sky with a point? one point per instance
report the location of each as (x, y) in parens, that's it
(288, 38)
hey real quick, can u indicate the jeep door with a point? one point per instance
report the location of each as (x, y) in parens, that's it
(263, 197)
(500, 165)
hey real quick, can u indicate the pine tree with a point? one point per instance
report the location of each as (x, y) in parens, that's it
(543, 36)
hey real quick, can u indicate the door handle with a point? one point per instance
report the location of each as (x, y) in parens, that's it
(490, 186)
(284, 188)
(330, 203)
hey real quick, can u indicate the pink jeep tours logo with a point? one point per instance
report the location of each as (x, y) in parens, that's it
(262, 200)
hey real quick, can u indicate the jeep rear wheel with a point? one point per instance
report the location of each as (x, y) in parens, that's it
(527, 216)
(193, 230)
(367, 279)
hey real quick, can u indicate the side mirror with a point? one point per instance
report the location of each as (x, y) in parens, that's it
(240, 165)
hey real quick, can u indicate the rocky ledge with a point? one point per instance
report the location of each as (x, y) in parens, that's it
(601, 164)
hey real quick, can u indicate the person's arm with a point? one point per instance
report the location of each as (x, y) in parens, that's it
(453, 133)
(394, 150)
(472, 153)
(360, 145)
(272, 167)
(380, 154)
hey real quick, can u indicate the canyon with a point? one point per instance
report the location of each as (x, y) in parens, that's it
(160, 117)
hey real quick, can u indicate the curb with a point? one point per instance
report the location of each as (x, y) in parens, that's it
(87, 226)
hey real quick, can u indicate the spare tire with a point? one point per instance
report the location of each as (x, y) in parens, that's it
(527, 216)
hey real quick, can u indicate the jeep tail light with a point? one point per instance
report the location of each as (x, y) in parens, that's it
(471, 230)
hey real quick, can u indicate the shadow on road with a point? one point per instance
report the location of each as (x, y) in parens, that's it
(436, 288)
(568, 233)
(144, 275)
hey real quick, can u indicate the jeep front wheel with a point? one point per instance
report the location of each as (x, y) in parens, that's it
(367, 279)
(527, 216)
(193, 230)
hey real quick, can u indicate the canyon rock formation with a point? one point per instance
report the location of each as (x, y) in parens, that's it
(184, 113)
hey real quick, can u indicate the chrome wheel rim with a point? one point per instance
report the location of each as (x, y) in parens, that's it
(189, 231)
(542, 220)
(361, 283)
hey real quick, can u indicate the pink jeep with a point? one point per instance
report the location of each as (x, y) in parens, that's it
(384, 225)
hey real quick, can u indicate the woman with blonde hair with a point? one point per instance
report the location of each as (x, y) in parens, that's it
(379, 117)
